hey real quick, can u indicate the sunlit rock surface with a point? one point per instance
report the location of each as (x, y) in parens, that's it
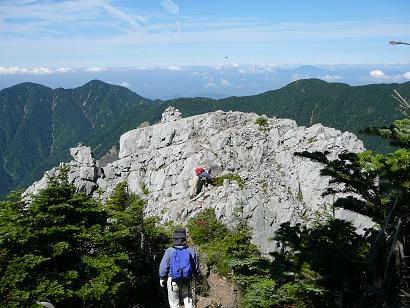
(158, 163)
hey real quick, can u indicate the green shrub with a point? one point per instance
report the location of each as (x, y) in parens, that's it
(260, 294)
(303, 276)
(218, 181)
(229, 251)
(262, 121)
(144, 188)
(205, 228)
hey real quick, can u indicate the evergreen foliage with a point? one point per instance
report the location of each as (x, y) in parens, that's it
(380, 183)
(50, 249)
(66, 248)
(261, 121)
(324, 263)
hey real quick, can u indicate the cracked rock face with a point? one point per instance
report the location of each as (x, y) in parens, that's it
(158, 164)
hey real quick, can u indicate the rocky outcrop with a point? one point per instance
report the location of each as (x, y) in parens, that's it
(83, 172)
(170, 114)
(158, 163)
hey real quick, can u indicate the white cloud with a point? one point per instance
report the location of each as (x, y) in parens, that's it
(95, 69)
(257, 68)
(45, 18)
(330, 78)
(203, 75)
(296, 77)
(225, 82)
(40, 71)
(170, 6)
(179, 27)
(211, 83)
(144, 68)
(69, 26)
(377, 74)
(158, 67)
(34, 70)
(327, 77)
(125, 84)
(8, 70)
(63, 70)
(173, 68)
(132, 20)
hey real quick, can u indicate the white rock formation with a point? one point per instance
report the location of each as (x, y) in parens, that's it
(279, 186)
(171, 114)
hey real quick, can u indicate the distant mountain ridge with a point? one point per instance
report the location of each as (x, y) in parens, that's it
(310, 101)
(38, 124)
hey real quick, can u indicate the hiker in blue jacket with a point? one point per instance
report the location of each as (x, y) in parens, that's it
(178, 267)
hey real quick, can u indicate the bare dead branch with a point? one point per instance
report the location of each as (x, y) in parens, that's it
(404, 105)
(398, 43)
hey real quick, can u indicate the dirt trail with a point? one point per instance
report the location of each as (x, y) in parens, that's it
(222, 293)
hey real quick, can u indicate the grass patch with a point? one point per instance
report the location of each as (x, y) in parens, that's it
(144, 188)
(219, 181)
(265, 186)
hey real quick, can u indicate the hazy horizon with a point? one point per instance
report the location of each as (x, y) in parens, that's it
(217, 81)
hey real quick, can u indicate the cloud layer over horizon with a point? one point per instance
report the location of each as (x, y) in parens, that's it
(213, 80)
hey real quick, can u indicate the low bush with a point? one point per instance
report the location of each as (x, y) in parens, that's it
(218, 181)
(262, 121)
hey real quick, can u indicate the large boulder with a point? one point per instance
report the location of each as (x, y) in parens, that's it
(83, 172)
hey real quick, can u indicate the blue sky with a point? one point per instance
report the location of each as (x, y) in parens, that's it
(110, 33)
(45, 37)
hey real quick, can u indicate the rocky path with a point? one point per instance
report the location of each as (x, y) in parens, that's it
(222, 294)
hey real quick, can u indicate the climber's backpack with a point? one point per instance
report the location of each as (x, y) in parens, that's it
(181, 264)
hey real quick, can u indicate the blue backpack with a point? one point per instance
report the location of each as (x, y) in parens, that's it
(181, 264)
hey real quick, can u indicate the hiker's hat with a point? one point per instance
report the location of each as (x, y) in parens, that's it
(179, 237)
(199, 170)
(179, 233)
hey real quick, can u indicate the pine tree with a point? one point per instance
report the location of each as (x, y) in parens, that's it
(50, 249)
(380, 188)
(137, 244)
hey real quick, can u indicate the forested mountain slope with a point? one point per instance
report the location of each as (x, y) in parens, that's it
(313, 101)
(38, 124)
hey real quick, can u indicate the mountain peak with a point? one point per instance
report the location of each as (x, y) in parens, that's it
(26, 85)
(158, 162)
(308, 69)
(97, 82)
